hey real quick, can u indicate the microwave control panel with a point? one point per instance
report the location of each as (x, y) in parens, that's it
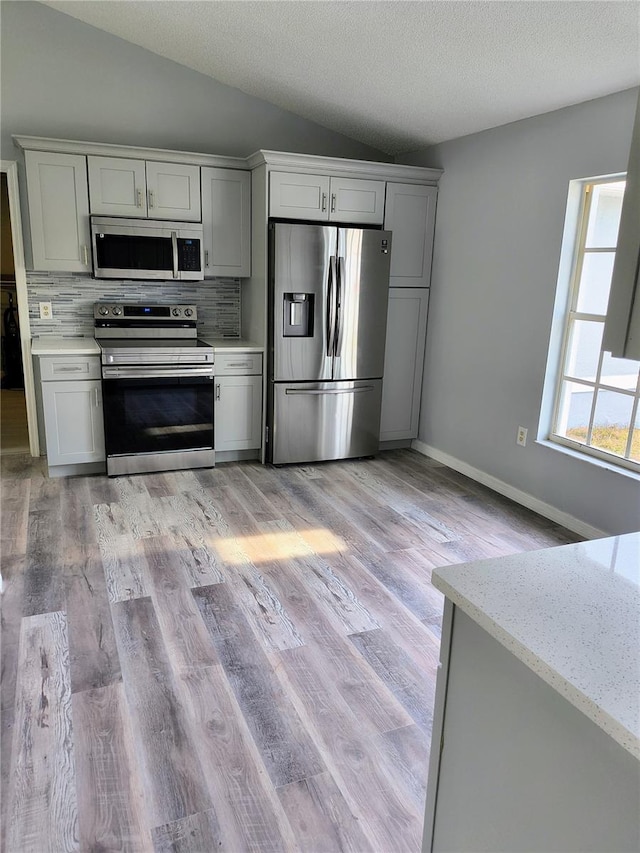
(189, 252)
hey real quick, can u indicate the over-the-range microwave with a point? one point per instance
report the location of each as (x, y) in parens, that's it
(147, 249)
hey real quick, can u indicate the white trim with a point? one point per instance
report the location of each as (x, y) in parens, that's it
(10, 168)
(70, 146)
(517, 495)
(317, 165)
(281, 160)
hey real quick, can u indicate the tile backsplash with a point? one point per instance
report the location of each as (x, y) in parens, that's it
(72, 296)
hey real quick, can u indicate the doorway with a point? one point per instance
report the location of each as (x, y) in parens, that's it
(14, 431)
(18, 419)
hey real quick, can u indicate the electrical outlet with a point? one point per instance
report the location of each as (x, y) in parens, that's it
(45, 311)
(522, 436)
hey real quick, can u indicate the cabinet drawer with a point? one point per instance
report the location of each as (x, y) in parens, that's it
(238, 363)
(61, 367)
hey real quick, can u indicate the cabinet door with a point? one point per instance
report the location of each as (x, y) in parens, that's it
(297, 196)
(410, 213)
(226, 221)
(356, 201)
(403, 363)
(117, 186)
(58, 211)
(238, 412)
(73, 422)
(173, 191)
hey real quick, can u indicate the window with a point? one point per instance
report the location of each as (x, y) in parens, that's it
(596, 404)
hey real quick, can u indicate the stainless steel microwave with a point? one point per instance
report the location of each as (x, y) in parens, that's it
(147, 249)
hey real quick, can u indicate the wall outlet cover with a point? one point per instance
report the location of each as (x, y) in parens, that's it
(521, 437)
(46, 312)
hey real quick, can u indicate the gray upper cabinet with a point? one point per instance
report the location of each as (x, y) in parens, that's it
(58, 211)
(120, 186)
(322, 198)
(410, 213)
(226, 220)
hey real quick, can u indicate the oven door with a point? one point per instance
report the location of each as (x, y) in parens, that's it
(157, 418)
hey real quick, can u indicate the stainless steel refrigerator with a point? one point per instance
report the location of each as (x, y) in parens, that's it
(328, 318)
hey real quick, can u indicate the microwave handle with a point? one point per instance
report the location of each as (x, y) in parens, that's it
(174, 247)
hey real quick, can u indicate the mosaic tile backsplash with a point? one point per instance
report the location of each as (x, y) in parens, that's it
(72, 296)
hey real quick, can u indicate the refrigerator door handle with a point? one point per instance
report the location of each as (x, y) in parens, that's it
(322, 392)
(339, 325)
(331, 307)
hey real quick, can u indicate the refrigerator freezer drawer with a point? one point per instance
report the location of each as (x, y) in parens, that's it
(318, 421)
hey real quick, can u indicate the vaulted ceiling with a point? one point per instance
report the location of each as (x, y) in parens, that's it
(395, 75)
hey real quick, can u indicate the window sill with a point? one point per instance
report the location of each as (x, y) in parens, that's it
(590, 460)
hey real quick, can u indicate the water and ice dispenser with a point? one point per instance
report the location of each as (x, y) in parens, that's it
(298, 315)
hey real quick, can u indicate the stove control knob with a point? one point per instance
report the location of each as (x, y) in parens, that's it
(188, 312)
(104, 310)
(176, 312)
(117, 310)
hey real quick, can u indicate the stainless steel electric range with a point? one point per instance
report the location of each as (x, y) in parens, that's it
(157, 386)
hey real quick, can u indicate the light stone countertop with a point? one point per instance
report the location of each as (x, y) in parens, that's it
(50, 345)
(231, 344)
(572, 615)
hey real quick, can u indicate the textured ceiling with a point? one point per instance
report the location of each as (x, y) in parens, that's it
(395, 75)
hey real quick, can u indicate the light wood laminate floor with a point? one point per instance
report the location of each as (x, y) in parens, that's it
(238, 659)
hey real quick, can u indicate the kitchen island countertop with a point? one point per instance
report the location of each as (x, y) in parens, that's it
(572, 615)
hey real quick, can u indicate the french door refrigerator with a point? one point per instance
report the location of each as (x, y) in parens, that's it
(328, 318)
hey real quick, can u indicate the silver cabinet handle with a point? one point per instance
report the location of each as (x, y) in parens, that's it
(138, 198)
(324, 201)
(333, 202)
(95, 391)
(85, 255)
(206, 257)
(218, 391)
(239, 364)
(174, 248)
(150, 198)
(66, 369)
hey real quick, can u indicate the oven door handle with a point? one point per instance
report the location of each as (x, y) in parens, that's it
(156, 372)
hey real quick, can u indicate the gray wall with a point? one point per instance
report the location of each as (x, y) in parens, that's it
(499, 226)
(63, 78)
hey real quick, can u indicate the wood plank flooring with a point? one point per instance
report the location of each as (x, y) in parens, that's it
(236, 659)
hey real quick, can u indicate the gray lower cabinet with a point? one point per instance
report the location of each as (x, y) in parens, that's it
(72, 409)
(403, 362)
(238, 402)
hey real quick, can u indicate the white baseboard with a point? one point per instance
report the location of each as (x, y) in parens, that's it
(520, 497)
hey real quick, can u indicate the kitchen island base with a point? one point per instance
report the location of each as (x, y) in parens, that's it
(520, 768)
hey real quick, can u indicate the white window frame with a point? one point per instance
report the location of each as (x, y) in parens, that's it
(571, 316)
